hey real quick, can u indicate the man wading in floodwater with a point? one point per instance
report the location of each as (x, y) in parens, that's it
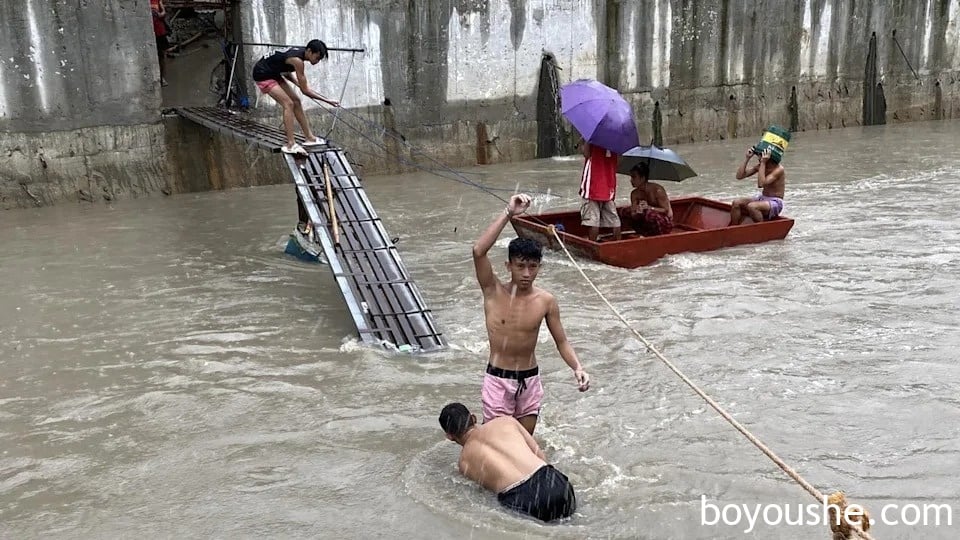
(514, 312)
(271, 74)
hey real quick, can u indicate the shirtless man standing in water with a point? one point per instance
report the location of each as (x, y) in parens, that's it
(514, 312)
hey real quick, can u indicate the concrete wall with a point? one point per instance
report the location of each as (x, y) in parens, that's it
(79, 102)
(199, 159)
(466, 81)
(717, 68)
(734, 64)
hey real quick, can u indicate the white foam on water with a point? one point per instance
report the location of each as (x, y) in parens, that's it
(473, 347)
(691, 261)
(589, 267)
(352, 344)
(432, 479)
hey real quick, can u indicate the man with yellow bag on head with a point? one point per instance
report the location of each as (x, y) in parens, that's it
(771, 178)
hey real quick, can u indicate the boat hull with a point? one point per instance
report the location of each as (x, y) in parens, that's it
(700, 225)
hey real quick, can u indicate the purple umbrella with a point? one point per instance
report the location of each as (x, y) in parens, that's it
(600, 114)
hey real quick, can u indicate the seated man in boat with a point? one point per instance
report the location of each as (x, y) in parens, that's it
(501, 456)
(771, 181)
(650, 213)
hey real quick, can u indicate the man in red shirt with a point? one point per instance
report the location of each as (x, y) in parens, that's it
(160, 32)
(598, 189)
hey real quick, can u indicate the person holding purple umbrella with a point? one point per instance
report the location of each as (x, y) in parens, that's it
(606, 124)
(598, 189)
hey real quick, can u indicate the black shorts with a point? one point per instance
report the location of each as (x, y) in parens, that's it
(162, 43)
(547, 495)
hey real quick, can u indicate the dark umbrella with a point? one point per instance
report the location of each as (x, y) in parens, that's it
(664, 163)
(600, 114)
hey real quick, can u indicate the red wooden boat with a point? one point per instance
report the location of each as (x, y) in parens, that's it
(699, 225)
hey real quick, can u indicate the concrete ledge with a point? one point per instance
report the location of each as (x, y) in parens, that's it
(89, 164)
(199, 159)
(109, 163)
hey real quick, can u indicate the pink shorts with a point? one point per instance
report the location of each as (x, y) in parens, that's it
(267, 85)
(511, 393)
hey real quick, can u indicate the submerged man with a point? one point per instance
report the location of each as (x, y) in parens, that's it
(501, 456)
(650, 212)
(514, 312)
(272, 73)
(771, 181)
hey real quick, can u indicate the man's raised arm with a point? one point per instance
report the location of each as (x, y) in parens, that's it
(743, 171)
(485, 276)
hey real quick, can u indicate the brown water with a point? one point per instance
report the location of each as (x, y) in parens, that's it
(168, 372)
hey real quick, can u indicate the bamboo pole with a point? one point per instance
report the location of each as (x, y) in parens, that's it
(333, 211)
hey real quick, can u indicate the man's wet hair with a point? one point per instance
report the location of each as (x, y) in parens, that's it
(525, 249)
(317, 46)
(455, 419)
(642, 169)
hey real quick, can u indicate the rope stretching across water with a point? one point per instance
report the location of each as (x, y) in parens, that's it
(813, 491)
(816, 493)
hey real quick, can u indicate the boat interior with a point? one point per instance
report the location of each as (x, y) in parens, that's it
(690, 214)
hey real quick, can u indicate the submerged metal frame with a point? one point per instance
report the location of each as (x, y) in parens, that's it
(385, 304)
(323, 234)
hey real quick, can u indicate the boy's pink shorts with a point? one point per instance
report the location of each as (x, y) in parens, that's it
(511, 393)
(267, 85)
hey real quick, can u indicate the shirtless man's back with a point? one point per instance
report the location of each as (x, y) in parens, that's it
(503, 457)
(514, 312)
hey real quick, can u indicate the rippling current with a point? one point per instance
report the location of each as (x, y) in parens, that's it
(168, 372)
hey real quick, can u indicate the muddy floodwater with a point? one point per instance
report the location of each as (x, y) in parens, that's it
(167, 371)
